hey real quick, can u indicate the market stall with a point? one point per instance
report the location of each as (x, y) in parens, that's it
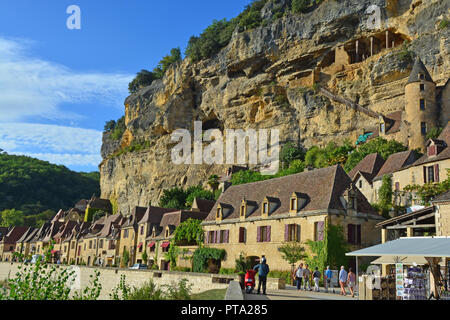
(421, 265)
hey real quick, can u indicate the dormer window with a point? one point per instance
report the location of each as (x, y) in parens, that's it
(243, 210)
(432, 150)
(421, 76)
(167, 232)
(219, 213)
(297, 202)
(293, 206)
(265, 208)
(383, 128)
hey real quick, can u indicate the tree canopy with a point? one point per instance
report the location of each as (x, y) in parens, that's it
(31, 190)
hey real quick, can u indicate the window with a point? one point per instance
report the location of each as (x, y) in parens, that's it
(242, 234)
(292, 233)
(294, 204)
(167, 233)
(421, 76)
(125, 233)
(219, 213)
(263, 234)
(430, 174)
(65, 248)
(422, 87)
(100, 244)
(224, 236)
(142, 230)
(72, 245)
(422, 104)
(423, 128)
(90, 244)
(211, 237)
(319, 230)
(266, 208)
(360, 184)
(382, 128)
(243, 211)
(354, 234)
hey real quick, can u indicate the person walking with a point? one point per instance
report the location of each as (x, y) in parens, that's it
(328, 277)
(316, 277)
(263, 271)
(306, 278)
(351, 281)
(298, 276)
(343, 280)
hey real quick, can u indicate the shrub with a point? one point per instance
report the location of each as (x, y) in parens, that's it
(203, 255)
(443, 24)
(189, 231)
(285, 275)
(143, 78)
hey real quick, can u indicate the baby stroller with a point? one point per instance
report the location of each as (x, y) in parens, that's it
(250, 281)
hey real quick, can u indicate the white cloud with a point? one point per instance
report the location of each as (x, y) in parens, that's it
(31, 86)
(73, 147)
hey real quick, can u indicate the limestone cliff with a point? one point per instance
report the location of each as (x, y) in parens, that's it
(263, 79)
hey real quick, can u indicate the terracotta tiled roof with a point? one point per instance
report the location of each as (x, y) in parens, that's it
(14, 234)
(396, 162)
(371, 164)
(394, 120)
(322, 187)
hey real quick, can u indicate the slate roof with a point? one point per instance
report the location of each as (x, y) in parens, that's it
(445, 197)
(322, 187)
(371, 165)
(135, 217)
(14, 234)
(154, 214)
(3, 232)
(65, 230)
(419, 67)
(82, 205)
(203, 205)
(40, 234)
(176, 218)
(396, 162)
(54, 228)
(114, 220)
(102, 204)
(444, 139)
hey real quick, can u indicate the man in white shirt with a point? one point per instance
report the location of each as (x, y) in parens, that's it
(299, 276)
(343, 280)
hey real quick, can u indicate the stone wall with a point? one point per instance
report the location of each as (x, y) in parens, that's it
(110, 278)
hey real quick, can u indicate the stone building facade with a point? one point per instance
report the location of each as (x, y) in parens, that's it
(255, 219)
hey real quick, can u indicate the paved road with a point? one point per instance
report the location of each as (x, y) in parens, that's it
(291, 293)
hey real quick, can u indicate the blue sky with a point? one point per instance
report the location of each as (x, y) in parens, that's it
(58, 87)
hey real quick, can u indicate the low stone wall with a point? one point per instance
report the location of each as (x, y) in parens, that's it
(234, 291)
(110, 278)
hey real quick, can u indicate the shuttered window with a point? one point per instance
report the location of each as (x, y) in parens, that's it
(354, 234)
(263, 234)
(291, 232)
(319, 227)
(241, 235)
(436, 173)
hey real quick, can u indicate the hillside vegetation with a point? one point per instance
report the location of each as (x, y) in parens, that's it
(37, 189)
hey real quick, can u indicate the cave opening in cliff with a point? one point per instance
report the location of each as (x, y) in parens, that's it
(212, 122)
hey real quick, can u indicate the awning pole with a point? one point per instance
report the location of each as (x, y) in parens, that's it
(357, 277)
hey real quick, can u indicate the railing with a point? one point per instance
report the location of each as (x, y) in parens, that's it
(326, 92)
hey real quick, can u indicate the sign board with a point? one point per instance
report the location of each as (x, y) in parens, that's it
(335, 279)
(399, 279)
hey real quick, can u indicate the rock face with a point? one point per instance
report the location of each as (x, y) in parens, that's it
(263, 79)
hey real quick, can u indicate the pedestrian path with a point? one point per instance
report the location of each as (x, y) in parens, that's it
(291, 293)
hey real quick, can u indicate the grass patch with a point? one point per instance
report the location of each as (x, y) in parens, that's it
(443, 24)
(215, 294)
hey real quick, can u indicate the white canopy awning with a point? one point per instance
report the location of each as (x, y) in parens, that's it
(432, 247)
(420, 261)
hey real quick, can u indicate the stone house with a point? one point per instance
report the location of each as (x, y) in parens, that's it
(151, 220)
(159, 240)
(364, 172)
(89, 242)
(442, 209)
(23, 245)
(430, 168)
(128, 234)
(76, 243)
(394, 163)
(257, 218)
(8, 242)
(36, 243)
(60, 247)
(108, 240)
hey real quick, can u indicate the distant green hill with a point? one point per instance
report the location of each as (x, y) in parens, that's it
(34, 186)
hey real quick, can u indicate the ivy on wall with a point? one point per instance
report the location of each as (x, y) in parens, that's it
(202, 255)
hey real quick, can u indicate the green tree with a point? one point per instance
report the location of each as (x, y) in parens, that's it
(434, 132)
(213, 182)
(189, 232)
(166, 62)
(125, 257)
(292, 253)
(291, 152)
(378, 145)
(11, 218)
(143, 78)
(145, 256)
